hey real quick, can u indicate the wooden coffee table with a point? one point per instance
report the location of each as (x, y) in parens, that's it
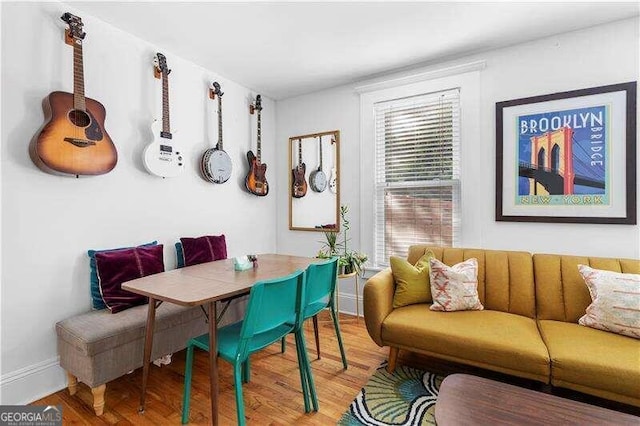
(470, 400)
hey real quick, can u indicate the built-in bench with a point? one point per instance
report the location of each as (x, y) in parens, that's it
(97, 347)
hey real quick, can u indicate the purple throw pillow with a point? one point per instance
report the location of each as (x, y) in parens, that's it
(116, 267)
(203, 249)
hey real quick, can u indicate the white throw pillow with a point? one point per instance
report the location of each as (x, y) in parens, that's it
(615, 305)
(455, 288)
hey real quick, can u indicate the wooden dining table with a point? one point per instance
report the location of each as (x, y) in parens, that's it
(204, 285)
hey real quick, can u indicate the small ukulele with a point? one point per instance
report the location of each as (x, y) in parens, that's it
(161, 157)
(256, 180)
(299, 183)
(73, 139)
(215, 163)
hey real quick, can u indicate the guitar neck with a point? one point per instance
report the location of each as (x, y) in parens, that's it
(166, 126)
(258, 152)
(299, 153)
(219, 122)
(79, 101)
(320, 143)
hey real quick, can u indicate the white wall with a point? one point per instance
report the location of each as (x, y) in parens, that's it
(595, 56)
(48, 222)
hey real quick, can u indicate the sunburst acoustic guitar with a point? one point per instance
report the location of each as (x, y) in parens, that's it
(73, 139)
(256, 180)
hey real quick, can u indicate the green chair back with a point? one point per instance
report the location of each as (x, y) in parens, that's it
(321, 283)
(273, 304)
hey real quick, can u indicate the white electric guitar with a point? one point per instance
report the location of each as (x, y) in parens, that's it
(162, 157)
(333, 185)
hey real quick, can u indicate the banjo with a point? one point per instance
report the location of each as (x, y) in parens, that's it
(317, 178)
(215, 163)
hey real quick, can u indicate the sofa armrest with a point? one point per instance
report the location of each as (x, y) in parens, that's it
(378, 302)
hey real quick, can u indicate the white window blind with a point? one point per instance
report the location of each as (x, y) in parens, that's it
(417, 188)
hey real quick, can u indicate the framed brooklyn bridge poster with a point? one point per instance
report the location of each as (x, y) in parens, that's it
(568, 157)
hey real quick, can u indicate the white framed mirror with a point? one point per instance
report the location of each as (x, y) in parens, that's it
(314, 182)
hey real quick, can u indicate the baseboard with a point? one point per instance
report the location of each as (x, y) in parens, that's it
(31, 383)
(347, 303)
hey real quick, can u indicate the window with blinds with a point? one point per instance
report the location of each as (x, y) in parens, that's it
(417, 185)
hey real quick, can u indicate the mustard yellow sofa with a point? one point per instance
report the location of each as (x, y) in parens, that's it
(529, 327)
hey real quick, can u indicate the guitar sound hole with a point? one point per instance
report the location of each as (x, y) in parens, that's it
(79, 118)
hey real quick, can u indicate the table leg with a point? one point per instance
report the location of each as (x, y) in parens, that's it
(213, 362)
(148, 344)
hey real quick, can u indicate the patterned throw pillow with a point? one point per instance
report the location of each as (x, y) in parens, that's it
(202, 249)
(412, 281)
(455, 288)
(615, 303)
(118, 266)
(96, 297)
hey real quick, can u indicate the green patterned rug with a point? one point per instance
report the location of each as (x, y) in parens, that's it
(406, 397)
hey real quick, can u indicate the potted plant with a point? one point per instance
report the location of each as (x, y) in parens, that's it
(349, 260)
(330, 247)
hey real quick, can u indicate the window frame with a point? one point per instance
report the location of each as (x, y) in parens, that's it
(431, 181)
(468, 84)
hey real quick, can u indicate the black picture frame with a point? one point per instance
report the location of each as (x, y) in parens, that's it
(581, 157)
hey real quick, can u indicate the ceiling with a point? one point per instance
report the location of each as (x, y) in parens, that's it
(288, 49)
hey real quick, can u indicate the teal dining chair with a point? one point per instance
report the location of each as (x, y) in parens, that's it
(274, 310)
(319, 294)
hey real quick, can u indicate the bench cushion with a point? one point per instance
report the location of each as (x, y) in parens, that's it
(593, 361)
(100, 331)
(495, 340)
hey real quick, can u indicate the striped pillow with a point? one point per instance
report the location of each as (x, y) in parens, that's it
(615, 305)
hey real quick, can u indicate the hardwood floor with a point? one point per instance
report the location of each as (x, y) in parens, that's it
(273, 397)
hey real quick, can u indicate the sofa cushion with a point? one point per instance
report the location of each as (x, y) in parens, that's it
(505, 278)
(412, 281)
(98, 331)
(593, 361)
(490, 339)
(455, 288)
(96, 297)
(616, 301)
(561, 294)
